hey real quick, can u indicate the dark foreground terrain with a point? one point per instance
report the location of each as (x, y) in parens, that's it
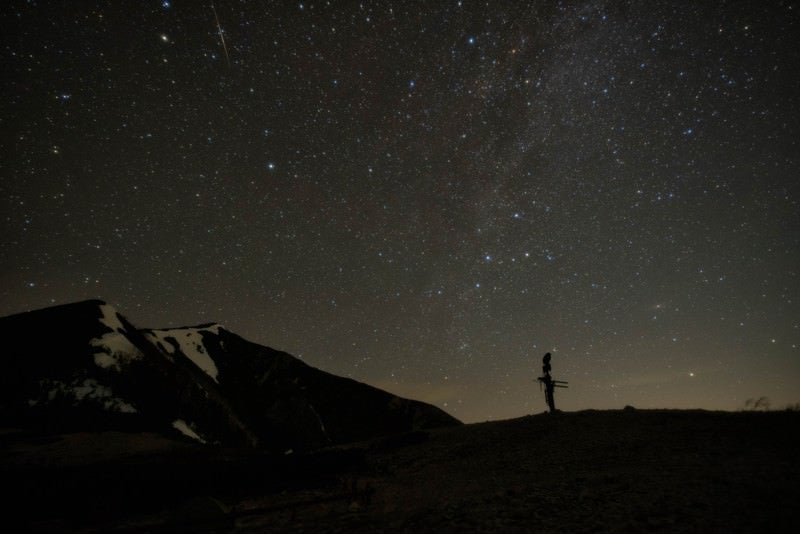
(587, 471)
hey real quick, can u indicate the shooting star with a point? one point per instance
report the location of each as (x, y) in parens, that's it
(221, 35)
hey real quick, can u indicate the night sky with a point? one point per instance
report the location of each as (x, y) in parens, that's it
(423, 196)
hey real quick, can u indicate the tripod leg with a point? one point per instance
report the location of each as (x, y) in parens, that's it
(550, 400)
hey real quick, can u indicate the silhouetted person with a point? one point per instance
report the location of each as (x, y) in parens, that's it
(547, 380)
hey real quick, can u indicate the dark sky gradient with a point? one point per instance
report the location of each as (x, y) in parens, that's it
(423, 196)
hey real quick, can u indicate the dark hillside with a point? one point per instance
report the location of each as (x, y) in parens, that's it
(605, 471)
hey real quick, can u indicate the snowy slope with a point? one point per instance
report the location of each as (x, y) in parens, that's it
(189, 343)
(70, 357)
(114, 347)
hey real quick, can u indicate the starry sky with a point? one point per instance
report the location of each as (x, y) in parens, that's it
(425, 196)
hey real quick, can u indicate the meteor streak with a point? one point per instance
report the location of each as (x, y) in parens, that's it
(221, 35)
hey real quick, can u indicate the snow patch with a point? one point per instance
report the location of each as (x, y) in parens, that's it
(181, 426)
(110, 318)
(113, 348)
(189, 342)
(88, 390)
(319, 420)
(105, 360)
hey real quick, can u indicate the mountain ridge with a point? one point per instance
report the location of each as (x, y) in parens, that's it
(84, 365)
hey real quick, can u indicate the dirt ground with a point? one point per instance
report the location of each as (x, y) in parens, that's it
(608, 471)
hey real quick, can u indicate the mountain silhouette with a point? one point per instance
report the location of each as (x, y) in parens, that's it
(85, 367)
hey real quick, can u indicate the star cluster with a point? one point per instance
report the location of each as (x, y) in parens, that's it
(425, 196)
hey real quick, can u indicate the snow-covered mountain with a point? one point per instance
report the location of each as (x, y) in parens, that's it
(83, 366)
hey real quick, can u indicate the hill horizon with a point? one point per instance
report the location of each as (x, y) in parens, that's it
(532, 395)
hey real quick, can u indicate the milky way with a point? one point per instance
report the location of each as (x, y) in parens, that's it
(423, 196)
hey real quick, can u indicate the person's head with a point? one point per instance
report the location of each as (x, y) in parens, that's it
(546, 358)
